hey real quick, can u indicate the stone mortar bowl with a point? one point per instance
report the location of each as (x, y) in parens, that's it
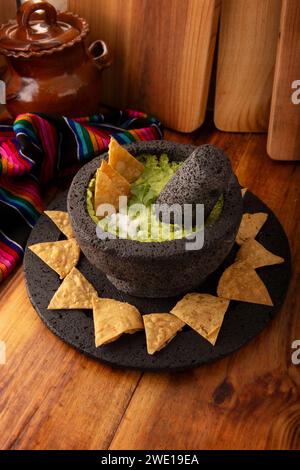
(153, 269)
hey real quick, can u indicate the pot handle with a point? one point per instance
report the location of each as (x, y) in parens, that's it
(100, 54)
(28, 8)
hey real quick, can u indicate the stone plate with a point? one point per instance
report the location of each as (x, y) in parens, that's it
(242, 321)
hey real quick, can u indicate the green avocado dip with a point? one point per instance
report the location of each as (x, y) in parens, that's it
(145, 225)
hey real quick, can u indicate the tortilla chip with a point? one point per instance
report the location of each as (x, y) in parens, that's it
(243, 191)
(250, 226)
(62, 221)
(241, 282)
(113, 318)
(74, 292)
(118, 180)
(160, 329)
(123, 162)
(202, 312)
(257, 255)
(105, 191)
(60, 256)
(212, 338)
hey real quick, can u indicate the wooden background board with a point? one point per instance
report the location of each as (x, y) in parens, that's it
(284, 129)
(246, 58)
(59, 4)
(163, 53)
(53, 397)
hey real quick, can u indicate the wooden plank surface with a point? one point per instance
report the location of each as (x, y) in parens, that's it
(284, 129)
(163, 53)
(246, 58)
(52, 397)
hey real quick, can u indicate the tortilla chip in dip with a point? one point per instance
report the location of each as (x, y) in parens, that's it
(62, 221)
(160, 329)
(257, 255)
(60, 256)
(243, 191)
(105, 192)
(74, 292)
(123, 162)
(202, 312)
(241, 282)
(250, 226)
(118, 180)
(113, 318)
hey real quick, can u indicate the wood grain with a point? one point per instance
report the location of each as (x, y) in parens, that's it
(284, 128)
(59, 4)
(52, 397)
(246, 58)
(163, 53)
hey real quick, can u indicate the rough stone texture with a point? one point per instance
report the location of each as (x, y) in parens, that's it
(242, 321)
(203, 177)
(141, 269)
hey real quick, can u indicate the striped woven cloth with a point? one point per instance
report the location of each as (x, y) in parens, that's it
(36, 148)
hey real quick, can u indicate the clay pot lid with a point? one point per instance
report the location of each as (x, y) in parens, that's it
(40, 29)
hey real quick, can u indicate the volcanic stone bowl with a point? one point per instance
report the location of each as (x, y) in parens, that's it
(153, 269)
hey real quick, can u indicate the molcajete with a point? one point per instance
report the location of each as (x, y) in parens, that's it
(49, 68)
(154, 269)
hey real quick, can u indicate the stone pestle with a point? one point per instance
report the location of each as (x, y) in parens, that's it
(202, 179)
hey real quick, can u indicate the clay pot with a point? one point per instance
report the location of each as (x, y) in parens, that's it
(154, 269)
(49, 67)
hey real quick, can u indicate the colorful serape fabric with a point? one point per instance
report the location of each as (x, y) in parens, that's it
(37, 148)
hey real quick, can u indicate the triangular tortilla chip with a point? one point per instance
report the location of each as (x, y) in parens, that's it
(118, 180)
(202, 312)
(105, 193)
(60, 256)
(243, 191)
(160, 329)
(241, 282)
(62, 221)
(123, 162)
(250, 226)
(257, 255)
(74, 292)
(212, 338)
(113, 318)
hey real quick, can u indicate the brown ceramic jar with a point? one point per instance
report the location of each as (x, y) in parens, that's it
(49, 67)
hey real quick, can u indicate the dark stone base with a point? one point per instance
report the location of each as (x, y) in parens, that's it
(242, 322)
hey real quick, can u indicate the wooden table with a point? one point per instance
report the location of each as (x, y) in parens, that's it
(52, 397)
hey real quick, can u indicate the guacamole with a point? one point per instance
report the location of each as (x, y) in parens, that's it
(145, 190)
